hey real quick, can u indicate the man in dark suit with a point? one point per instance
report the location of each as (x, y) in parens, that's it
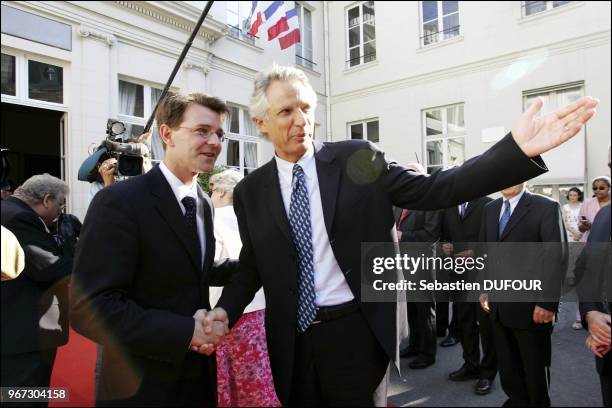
(593, 268)
(302, 220)
(460, 227)
(35, 304)
(521, 331)
(420, 227)
(144, 264)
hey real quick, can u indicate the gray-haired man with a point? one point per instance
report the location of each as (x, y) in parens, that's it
(35, 304)
(302, 219)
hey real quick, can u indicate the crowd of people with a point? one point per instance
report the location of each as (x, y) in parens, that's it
(251, 297)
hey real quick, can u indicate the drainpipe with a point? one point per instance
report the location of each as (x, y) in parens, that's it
(327, 75)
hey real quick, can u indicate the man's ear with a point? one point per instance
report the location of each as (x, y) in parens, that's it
(261, 126)
(46, 200)
(165, 133)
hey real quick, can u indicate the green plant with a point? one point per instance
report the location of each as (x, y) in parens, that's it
(204, 177)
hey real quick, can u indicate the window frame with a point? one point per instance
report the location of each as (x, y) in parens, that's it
(548, 4)
(444, 137)
(21, 96)
(364, 127)
(241, 138)
(147, 109)
(361, 45)
(302, 60)
(243, 35)
(440, 17)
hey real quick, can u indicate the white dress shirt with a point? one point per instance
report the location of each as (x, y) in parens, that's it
(181, 191)
(513, 202)
(228, 245)
(331, 287)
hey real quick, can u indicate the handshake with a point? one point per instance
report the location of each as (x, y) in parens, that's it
(210, 329)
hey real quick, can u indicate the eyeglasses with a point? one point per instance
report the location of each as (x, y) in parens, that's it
(600, 188)
(205, 132)
(61, 206)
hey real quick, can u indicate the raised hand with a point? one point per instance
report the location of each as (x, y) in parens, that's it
(537, 135)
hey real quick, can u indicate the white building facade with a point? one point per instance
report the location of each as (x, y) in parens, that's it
(434, 81)
(444, 80)
(67, 67)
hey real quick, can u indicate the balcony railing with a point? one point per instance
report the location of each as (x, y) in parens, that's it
(305, 62)
(241, 35)
(433, 37)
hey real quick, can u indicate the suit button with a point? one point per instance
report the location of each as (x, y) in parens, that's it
(346, 273)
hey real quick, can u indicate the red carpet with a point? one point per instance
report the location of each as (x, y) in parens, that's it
(74, 369)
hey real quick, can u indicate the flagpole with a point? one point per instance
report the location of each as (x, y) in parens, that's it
(179, 62)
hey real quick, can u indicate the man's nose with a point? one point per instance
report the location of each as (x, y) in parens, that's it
(300, 118)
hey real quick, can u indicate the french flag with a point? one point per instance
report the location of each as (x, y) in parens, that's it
(281, 24)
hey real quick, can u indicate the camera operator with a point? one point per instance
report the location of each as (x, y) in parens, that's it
(106, 171)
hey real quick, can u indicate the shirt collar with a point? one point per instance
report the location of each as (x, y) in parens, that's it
(307, 162)
(179, 189)
(514, 200)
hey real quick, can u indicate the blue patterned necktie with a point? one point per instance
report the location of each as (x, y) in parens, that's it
(301, 233)
(504, 218)
(192, 224)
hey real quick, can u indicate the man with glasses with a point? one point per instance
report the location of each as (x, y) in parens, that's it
(35, 304)
(144, 264)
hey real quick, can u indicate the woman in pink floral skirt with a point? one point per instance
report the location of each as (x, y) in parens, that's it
(244, 378)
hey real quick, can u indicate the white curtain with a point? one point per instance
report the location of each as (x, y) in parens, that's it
(157, 146)
(127, 103)
(249, 125)
(250, 155)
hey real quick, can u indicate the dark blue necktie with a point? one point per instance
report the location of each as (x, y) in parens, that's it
(301, 234)
(504, 219)
(191, 210)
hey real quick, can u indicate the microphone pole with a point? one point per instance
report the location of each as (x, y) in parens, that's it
(178, 63)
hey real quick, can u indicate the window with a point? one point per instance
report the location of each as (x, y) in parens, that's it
(136, 102)
(444, 130)
(366, 130)
(440, 21)
(242, 144)
(567, 162)
(534, 7)
(238, 13)
(303, 49)
(33, 80)
(8, 75)
(361, 34)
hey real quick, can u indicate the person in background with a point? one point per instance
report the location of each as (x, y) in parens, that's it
(591, 206)
(244, 378)
(35, 304)
(571, 214)
(8, 187)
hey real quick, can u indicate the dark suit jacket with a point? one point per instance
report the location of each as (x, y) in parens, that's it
(535, 219)
(35, 304)
(596, 265)
(466, 230)
(136, 284)
(358, 187)
(419, 226)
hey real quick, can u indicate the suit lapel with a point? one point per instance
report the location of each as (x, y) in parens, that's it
(208, 227)
(329, 178)
(275, 199)
(469, 209)
(519, 212)
(169, 209)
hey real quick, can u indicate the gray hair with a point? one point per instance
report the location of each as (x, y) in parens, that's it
(226, 180)
(34, 190)
(258, 108)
